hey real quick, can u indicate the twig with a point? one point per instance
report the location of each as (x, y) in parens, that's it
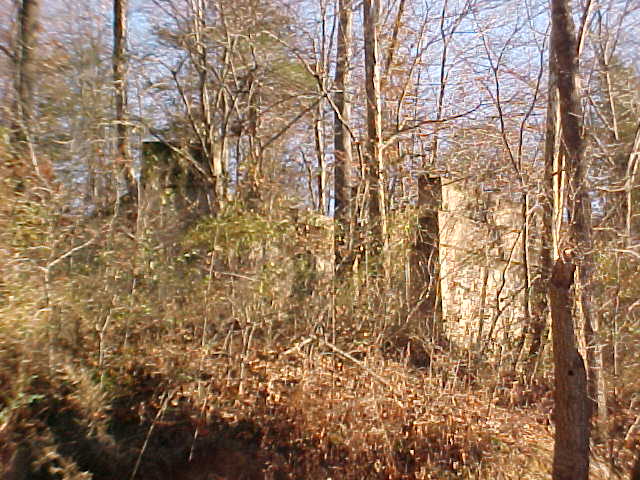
(298, 346)
(361, 364)
(627, 251)
(70, 252)
(231, 274)
(634, 430)
(342, 353)
(7, 52)
(146, 440)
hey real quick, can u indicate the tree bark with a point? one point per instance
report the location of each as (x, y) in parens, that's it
(564, 48)
(321, 175)
(531, 321)
(376, 167)
(206, 129)
(393, 45)
(28, 25)
(124, 160)
(540, 285)
(572, 406)
(342, 138)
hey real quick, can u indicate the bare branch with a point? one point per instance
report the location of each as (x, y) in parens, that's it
(8, 53)
(404, 130)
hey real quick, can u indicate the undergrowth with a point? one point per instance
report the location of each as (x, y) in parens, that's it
(217, 352)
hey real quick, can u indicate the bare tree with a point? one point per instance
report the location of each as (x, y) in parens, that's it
(572, 409)
(25, 60)
(564, 47)
(375, 160)
(341, 136)
(206, 132)
(540, 285)
(120, 85)
(321, 68)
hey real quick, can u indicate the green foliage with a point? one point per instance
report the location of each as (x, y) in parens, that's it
(293, 72)
(237, 231)
(28, 227)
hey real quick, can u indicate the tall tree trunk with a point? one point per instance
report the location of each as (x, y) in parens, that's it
(393, 45)
(252, 182)
(376, 167)
(321, 175)
(124, 160)
(531, 322)
(318, 125)
(572, 406)
(540, 285)
(28, 25)
(342, 138)
(564, 47)
(206, 129)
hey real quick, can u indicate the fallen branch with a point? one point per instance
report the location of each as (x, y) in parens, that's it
(361, 364)
(298, 346)
(343, 354)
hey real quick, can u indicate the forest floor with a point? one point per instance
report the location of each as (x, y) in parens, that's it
(301, 413)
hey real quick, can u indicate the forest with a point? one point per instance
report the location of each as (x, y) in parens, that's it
(319, 239)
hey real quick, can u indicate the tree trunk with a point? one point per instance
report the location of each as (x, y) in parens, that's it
(572, 406)
(321, 175)
(252, 182)
(540, 286)
(25, 66)
(376, 168)
(342, 138)
(531, 322)
(393, 44)
(564, 49)
(483, 302)
(207, 132)
(124, 159)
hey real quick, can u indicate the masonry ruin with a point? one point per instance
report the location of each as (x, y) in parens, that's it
(481, 268)
(482, 276)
